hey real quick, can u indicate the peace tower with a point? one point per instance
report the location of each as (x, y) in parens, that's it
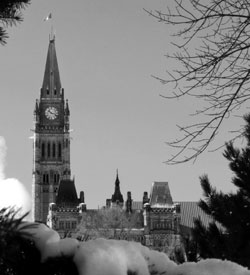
(51, 143)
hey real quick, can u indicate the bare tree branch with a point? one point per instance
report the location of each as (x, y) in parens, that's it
(213, 66)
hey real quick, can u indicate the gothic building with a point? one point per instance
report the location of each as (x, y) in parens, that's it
(117, 197)
(51, 142)
(155, 221)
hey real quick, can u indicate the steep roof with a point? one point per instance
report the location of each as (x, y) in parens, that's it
(67, 193)
(190, 211)
(117, 196)
(160, 195)
(51, 79)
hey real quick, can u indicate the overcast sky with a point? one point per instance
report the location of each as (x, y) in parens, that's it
(107, 52)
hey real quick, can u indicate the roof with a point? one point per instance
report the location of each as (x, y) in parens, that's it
(51, 79)
(160, 195)
(190, 211)
(117, 196)
(67, 193)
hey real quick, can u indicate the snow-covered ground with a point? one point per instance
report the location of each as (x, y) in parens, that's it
(112, 257)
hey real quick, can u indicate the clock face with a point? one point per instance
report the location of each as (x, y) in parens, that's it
(51, 113)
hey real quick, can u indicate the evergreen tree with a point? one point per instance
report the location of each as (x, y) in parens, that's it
(228, 237)
(18, 254)
(10, 15)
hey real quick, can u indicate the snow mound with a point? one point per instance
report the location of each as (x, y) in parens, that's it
(112, 257)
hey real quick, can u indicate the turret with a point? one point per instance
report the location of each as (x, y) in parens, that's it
(81, 197)
(66, 116)
(117, 198)
(145, 198)
(36, 112)
(129, 203)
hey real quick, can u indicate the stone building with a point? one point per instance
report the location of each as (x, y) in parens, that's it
(161, 219)
(65, 213)
(117, 198)
(51, 140)
(155, 221)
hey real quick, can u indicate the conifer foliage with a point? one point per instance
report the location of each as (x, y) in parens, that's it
(228, 237)
(18, 254)
(10, 14)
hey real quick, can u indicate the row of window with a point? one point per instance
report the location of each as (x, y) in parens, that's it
(51, 150)
(67, 225)
(54, 177)
(55, 91)
(162, 225)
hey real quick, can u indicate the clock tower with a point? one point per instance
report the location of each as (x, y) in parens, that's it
(51, 143)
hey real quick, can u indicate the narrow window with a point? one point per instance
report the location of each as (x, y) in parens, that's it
(49, 150)
(44, 178)
(43, 150)
(47, 178)
(58, 178)
(61, 224)
(54, 150)
(67, 224)
(73, 226)
(59, 150)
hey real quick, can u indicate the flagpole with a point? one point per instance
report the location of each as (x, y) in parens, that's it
(52, 33)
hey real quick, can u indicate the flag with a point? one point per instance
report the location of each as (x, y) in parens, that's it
(48, 17)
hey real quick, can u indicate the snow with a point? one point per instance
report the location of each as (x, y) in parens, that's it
(12, 192)
(112, 257)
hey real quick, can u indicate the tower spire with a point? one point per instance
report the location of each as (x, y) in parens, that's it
(51, 86)
(117, 197)
(117, 181)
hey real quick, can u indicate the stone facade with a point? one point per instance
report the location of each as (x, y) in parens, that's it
(51, 140)
(162, 220)
(65, 213)
(156, 221)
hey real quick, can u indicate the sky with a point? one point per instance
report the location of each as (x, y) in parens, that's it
(107, 52)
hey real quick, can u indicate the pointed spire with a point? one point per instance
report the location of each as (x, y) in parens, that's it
(36, 111)
(51, 86)
(117, 196)
(67, 108)
(117, 181)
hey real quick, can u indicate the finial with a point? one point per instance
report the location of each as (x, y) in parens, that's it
(52, 35)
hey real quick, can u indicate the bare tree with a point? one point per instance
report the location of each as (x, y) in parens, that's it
(109, 223)
(213, 67)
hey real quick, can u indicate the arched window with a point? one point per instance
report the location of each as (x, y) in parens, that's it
(59, 150)
(48, 149)
(43, 150)
(54, 150)
(55, 178)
